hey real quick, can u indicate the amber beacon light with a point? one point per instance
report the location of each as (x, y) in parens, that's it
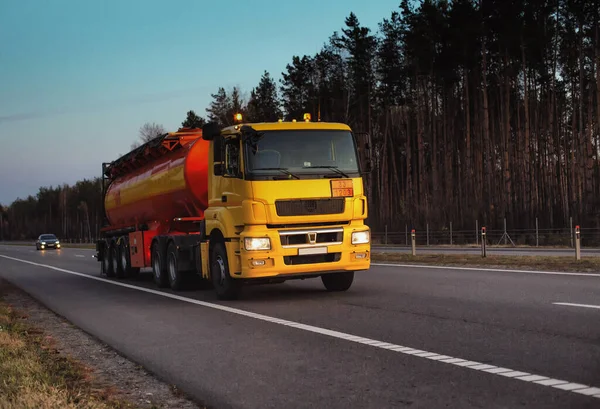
(307, 117)
(237, 117)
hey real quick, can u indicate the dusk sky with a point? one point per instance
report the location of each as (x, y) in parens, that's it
(79, 78)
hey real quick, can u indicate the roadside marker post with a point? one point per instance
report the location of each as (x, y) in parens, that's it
(483, 243)
(414, 242)
(577, 243)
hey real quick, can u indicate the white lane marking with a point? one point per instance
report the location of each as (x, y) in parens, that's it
(497, 270)
(577, 305)
(477, 366)
(79, 255)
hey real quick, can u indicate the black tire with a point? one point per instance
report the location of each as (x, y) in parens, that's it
(159, 268)
(225, 286)
(125, 260)
(176, 277)
(116, 260)
(107, 264)
(338, 281)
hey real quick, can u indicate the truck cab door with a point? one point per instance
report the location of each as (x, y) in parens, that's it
(232, 177)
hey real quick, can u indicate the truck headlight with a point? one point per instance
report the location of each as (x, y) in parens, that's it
(257, 243)
(361, 237)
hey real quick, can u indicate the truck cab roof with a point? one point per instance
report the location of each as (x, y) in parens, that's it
(287, 126)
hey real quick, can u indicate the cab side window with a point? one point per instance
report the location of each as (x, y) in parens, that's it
(232, 158)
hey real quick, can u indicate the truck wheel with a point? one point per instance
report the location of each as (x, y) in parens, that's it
(225, 286)
(125, 258)
(114, 251)
(107, 264)
(176, 278)
(338, 281)
(158, 267)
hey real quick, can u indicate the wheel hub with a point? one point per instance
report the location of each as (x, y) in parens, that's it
(221, 266)
(172, 272)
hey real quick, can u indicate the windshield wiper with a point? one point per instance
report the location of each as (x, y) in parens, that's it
(334, 168)
(284, 170)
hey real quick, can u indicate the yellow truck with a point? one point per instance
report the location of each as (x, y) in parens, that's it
(246, 204)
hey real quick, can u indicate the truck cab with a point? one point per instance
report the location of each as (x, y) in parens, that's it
(285, 201)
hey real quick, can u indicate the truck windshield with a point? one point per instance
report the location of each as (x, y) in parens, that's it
(302, 154)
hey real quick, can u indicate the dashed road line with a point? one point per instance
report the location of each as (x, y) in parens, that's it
(564, 385)
(577, 305)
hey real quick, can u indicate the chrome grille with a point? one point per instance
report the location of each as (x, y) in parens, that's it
(307, 238)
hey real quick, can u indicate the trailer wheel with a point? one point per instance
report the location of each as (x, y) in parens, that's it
(158, 267)
(114, 254)
(338, 281)
(176, 278)
(225, 286)
(108, 267)
(125, 258)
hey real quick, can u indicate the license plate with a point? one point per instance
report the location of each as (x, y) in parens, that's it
(312, 250)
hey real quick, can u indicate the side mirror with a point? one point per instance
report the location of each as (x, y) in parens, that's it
(210, 131)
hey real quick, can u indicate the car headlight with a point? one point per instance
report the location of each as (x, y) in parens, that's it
(43, 243)
(57, 242)
(361, 237)
(257, 243)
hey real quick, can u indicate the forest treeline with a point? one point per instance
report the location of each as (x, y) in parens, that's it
(478, 110)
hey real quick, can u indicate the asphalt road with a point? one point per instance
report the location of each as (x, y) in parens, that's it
(483, 339)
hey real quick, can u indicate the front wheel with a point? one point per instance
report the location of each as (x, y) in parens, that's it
(225, 286)
(338, 281)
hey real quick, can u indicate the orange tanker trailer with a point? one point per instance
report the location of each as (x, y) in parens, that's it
(160, 187)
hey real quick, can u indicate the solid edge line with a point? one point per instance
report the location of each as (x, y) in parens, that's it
(498, 270)
(473, 365)
(568, 304)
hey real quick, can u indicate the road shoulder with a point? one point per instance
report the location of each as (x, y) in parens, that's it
(106, 374)
(525, 262)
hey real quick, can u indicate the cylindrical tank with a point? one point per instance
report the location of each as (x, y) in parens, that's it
(173, 185)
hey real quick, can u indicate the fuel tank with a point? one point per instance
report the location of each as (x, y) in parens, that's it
(174, 184)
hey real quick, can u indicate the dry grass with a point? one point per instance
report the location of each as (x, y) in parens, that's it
(549, 263)
(33, 374)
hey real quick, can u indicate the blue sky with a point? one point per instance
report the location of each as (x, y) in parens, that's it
(79, 78)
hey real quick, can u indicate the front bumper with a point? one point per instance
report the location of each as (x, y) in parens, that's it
(330, 251)
(50, 246)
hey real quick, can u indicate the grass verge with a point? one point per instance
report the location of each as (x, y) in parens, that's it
(33, 374)
(548, 263)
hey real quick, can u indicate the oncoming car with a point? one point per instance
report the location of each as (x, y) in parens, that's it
(47, 241)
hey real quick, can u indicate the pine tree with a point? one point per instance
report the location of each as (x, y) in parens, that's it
(263, 105)
(193, 121)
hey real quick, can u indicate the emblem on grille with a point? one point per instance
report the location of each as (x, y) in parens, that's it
(310, 206)
(312, 237)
